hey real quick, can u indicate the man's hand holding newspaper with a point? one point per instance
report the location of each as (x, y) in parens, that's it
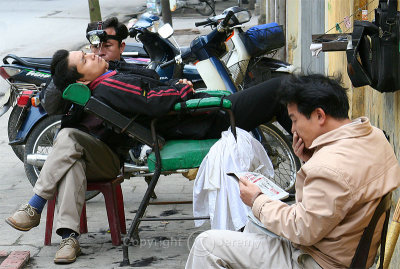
(251, 186)
(249, 191)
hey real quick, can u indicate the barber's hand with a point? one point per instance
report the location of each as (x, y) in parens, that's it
(248, 191)
(299, 149)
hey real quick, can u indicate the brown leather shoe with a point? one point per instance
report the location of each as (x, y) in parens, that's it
(68, 251)
(24, 219)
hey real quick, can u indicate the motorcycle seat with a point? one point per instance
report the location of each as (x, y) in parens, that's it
(28, 61)
(39, 61)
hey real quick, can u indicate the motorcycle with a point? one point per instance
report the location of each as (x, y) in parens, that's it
(230, 70)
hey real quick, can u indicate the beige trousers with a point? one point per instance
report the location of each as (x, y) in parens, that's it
(250, 249)
(76, 157)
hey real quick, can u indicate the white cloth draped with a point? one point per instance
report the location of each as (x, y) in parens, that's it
(215, 193)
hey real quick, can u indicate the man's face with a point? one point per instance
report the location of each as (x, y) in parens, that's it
(307, 129)
(91, 66)
(109, 50)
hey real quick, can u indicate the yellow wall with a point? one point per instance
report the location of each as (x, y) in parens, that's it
(293, 33)
(383, 109)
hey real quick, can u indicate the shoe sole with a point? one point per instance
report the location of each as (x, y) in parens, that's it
(65, 261)
(19, 228)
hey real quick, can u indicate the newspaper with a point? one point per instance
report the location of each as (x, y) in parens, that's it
(267, 187)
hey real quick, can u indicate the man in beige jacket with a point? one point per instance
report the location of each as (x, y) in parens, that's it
(349, 166)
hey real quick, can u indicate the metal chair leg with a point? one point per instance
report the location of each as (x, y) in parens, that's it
(153, 194)
(145, 201)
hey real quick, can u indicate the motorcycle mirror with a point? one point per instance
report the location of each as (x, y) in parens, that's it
(166, 31)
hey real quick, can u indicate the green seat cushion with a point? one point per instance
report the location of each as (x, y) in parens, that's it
(215, 93)
(77, 93)
(204, 103)
(181, 154)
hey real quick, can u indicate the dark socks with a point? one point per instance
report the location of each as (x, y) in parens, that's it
(65, 233)
(38, 203)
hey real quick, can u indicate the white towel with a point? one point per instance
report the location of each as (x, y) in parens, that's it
(216, 194)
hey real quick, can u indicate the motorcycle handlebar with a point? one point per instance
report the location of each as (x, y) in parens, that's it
(167, 63)
(133, 32)
(197, 24)
(228, 16)
(184, 56)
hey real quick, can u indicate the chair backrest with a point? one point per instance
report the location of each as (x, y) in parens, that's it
(361, 255)
(77, 93)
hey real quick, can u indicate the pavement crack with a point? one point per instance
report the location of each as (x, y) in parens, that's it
(18, 239)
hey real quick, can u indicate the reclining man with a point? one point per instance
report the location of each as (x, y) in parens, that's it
(110, 50)
(86, 150)
(349, 166)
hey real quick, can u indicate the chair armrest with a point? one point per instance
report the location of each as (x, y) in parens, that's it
(122, 123)
(215, 93)
(208, 102)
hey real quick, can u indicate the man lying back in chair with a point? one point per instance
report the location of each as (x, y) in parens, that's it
(349, 166)
(144, 97)
(86, 150)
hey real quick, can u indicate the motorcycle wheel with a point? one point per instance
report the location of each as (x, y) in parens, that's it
(206, 8)
(12, 129)
(40, 141)
(279, 149)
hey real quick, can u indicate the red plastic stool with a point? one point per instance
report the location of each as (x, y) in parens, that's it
(114, 206)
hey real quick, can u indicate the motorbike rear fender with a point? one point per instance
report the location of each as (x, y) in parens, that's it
(34, 116)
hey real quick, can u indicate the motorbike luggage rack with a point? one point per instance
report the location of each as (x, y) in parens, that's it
(29, 62)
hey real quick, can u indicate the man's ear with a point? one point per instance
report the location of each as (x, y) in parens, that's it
(321, 116)
(122, 47)
(85, 82)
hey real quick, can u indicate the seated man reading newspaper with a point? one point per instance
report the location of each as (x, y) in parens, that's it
(86, 150)
(349, 166)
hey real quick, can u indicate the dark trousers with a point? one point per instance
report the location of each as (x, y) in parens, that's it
(251, 107)
(255, 106)
(259, 104)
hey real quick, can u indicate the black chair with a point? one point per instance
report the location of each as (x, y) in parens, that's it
(161, 159)
(361, 255)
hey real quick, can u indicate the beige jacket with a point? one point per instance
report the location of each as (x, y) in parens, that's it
(337, 191)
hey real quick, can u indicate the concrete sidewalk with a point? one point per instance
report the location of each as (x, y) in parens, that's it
(163, 244)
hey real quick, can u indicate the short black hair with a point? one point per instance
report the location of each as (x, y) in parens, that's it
(63, 74)
(313, 91)
(121, 31)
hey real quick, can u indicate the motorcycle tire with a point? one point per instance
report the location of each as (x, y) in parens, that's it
(12, 128)
(279, 149)
(206, 8)
(40, 141)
